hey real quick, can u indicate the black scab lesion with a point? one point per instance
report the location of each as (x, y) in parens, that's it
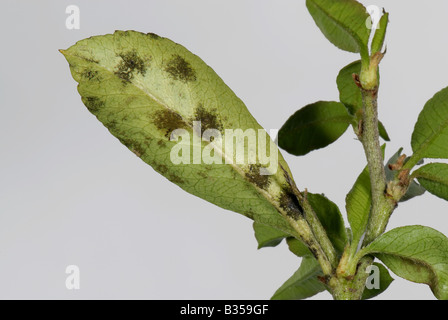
(94, 104)
(180, 69)
(290, 204)
(90, 74)
(209, 119)
(129, 65)
(254, 176)
(167, 121)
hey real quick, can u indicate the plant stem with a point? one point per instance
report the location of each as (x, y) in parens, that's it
(351, 288)
(349, 282)
(382, 206)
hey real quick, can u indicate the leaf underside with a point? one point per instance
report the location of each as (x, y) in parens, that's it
(142, 87)
(415, 253)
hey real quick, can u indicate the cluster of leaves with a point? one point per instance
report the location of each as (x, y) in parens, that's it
(142, 87)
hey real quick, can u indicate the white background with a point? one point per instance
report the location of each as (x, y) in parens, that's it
(70, 193)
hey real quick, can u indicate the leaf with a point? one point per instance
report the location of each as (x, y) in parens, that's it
(343, 22)
(331, 219)
(434, 178)
(350, 94)
(430, 136)
(142, 87)
(313, 127)
(358, 202)
(267, 236)
(303, 283)
(414, 189)
(297, 247)
(382, 131)
(380, 34)
(415, 253)
(385, 281)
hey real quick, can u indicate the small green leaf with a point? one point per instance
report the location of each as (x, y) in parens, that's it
(434, 178)
(382, 131)
(331, 219)
(414, 189)
(415, 253)
(313, 127)
(380, 34)
(430, 136)
(350, 94)
(357, 204)
(343, 22)
(385, 281)
(297, 247)
(303, 283)
(142, 87)
(267, 236)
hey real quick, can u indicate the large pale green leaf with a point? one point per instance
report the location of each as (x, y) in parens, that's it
(414, 189)
(343, 22)
(415, 253)
(268, 236)
(350, 94)
(384, 282)
(142, 87)
(434, 178)
(303, 283)
(331, 219)
(430, 136)
(313, 127)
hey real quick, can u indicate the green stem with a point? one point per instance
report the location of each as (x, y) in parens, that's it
(382, 206)
(351, 288)
(349, 281)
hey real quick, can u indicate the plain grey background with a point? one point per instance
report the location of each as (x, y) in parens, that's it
(70, 193)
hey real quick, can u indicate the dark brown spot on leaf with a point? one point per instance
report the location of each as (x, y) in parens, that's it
(90, 74)
(254, 176)
(175, 179)
(94, 104)
(168, 121)
(161, 168)
(130, 64)
(208, 119)
(179, 69)
(289, 203)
